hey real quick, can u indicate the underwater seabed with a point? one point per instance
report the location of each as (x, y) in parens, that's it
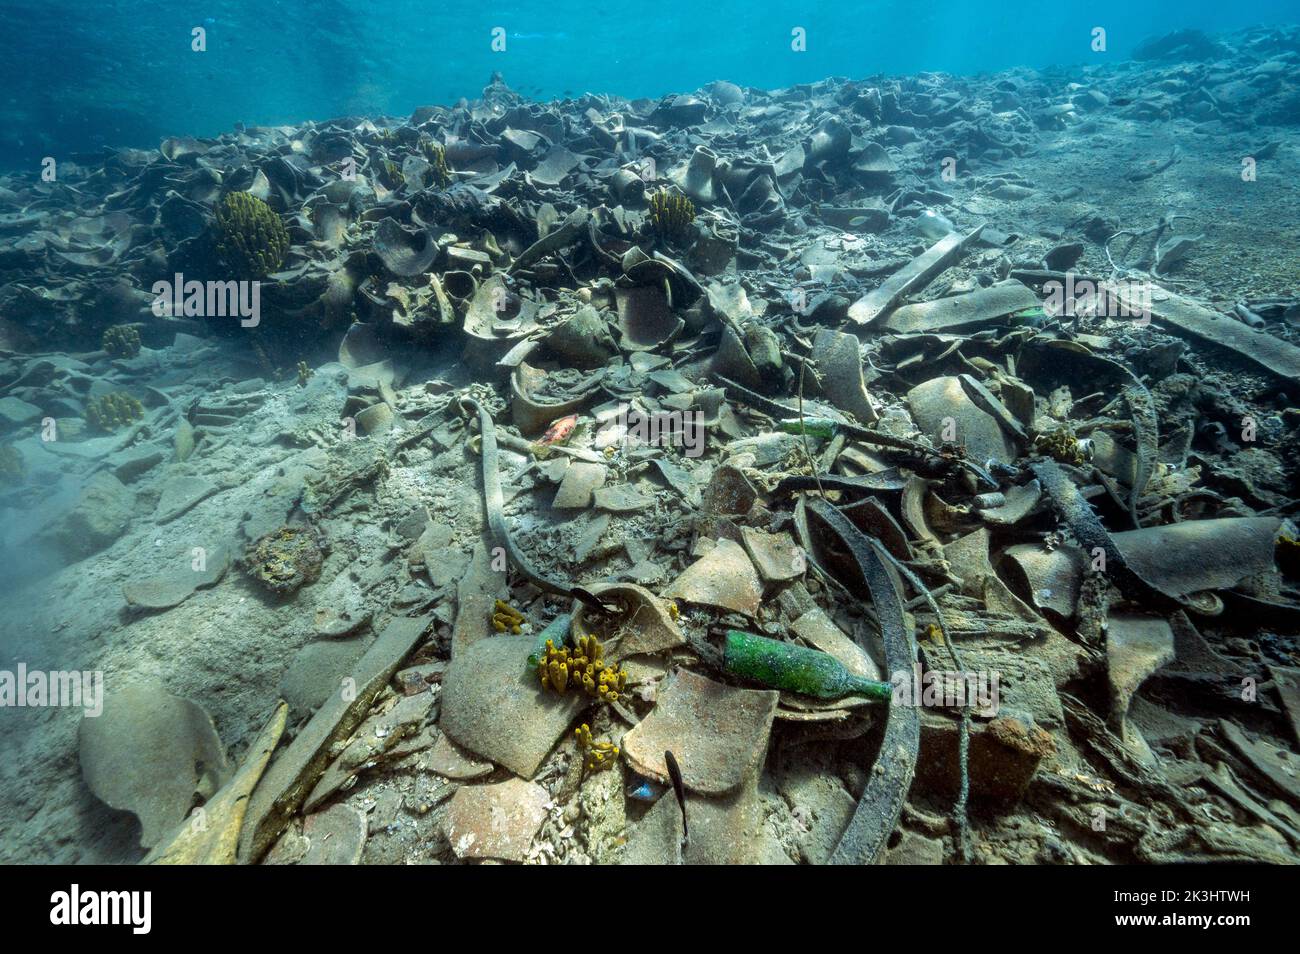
(569, 482)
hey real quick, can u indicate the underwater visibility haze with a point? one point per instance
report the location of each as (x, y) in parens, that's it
(667, 433)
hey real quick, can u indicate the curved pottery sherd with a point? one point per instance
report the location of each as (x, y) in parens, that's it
(645, 625)
(460, 286)
(731, 360)
(150, 753)
(329, 224)
(874, 163)
(696, 179)
(178, 148)
(534, 416)
(645, 319)
(404, 252)
(682, 287)
(495, 320)
(584, 339)
(760, 198)
(625, 185)
(361, 346)
(830, 140)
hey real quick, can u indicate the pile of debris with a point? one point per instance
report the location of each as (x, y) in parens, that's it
(752, 491)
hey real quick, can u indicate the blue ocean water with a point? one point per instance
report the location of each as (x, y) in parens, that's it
(81, 74)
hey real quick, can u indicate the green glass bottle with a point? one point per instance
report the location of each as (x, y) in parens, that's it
(814, 426)
(796, 668)
(557, 631)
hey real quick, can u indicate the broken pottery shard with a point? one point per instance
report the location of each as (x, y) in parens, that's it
(912, 508)
(180, 494)
(476, 594)
(317, 670)
(821, 804)
(449, 760)
(173, 588)
(1187, 317)
(1196, 555)
(1287, 682)
(943, 412)
(729, 492)
(911, 277)
(1050, 578)
(839, 363)
(295, 772)
(559, 162)
(1226, 783)
(374, 742)
(874, 519)
(579, 484)
(404, 251)
(341, 607)
(100, 515)
(150, 753)
(622, 498)
(494, 705)
(1172, 250)
(573, 226)
(732, 360)
(336, 836)
(962, 311)
(534, 416)
(986, 401)
(717, 733)
(496, 821)
(215, 841)
(645, 318)
(1136, 646)
(1180, 559)
(776, 556)
(1017, 504)
(657, 838)
(724, 577)
(646, 626)
(135, 463)
(969, 556)
(724, 829)
(1273, 765)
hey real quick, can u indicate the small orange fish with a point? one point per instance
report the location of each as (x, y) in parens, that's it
(559, 431)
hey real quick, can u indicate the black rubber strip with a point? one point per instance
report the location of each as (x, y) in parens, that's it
(494, 503)
(891, 777)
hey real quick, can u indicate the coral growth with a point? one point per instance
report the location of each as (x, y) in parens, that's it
(390, 174)
(1061, 444)
(121, 341)
(671, 214)
(596, 755)
(506, 618)
(250, 236)
(437, 157)
(113, 411)
(582, 668)
(286, 558)
(304, 374)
